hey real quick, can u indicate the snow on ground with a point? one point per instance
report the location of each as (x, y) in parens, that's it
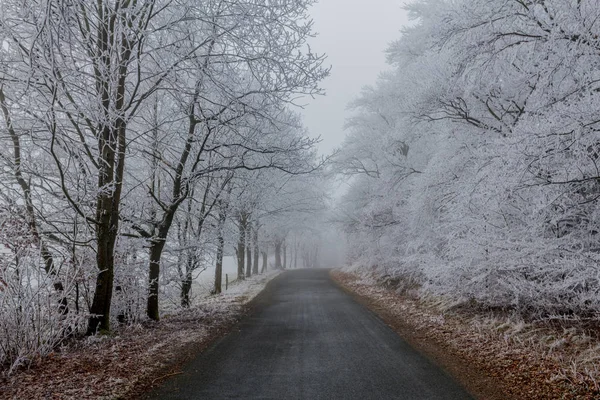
(204, 281)
(202, 285)
(240, 292)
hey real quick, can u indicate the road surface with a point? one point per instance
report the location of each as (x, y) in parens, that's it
(308, 339)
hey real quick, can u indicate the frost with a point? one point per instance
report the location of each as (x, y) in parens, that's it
(497, 200)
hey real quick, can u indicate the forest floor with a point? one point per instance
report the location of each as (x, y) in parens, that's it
(494, 355)
(133, 359)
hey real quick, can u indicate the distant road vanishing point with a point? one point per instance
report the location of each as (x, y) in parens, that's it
(308, 339)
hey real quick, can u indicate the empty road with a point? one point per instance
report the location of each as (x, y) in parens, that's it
(308, 339)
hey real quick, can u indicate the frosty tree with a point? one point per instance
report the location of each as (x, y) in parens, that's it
(131, 108)
(474, 161)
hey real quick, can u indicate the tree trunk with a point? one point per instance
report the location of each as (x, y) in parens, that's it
(186, 288)
(248, 250)
(241, 246)
(264, 265)
(186, 284)
(157, 245)
(255, 240)
(100, 310)
(111, 145)
(156, 249)
(220, 248)
(295, 255)
(278, 255)
(107, 227)
(179, 193)
(248, 260)
(284, 248)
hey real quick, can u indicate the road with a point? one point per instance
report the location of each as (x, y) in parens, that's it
(308, 339)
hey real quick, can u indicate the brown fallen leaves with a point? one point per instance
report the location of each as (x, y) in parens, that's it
(132, 360)
(118, 366)
(123, 365)
(494, 356)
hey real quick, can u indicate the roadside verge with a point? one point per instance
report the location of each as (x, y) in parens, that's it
(134, 359)
(494, 355)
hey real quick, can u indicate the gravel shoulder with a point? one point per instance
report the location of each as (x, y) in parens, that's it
(495, 356)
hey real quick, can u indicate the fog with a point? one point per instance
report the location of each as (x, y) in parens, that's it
(354, 34)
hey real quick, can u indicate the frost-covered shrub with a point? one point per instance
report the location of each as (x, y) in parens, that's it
(33, 319)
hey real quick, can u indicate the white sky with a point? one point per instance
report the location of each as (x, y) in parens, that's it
(354, 34)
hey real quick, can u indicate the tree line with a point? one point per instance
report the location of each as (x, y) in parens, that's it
(137, 136)
(473, 161)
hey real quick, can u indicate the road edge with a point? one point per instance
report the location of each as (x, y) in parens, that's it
(474, 381)
(143, 387)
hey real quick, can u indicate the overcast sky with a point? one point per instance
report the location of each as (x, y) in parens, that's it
(354, 34)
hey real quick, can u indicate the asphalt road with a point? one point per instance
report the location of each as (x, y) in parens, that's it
(308, 339)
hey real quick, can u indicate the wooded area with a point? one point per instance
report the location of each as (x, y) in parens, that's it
(141, 142)
(144, 142)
